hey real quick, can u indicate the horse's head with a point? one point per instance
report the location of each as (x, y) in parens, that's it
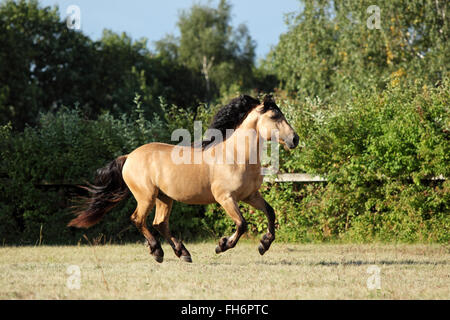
(272, 121)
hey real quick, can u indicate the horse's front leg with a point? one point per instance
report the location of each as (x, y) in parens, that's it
(232, 209)
(257, 201)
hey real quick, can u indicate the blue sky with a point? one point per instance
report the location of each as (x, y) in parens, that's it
(154, 19)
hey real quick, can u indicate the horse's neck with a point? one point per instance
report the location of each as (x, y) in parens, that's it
(245, 142)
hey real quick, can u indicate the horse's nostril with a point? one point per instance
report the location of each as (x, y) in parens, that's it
(296, 140)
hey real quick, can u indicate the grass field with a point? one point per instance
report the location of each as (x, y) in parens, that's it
(287, 271)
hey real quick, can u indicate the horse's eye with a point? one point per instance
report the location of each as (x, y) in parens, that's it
(276, 115)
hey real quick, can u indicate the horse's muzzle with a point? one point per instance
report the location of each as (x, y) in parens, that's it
(292, 142)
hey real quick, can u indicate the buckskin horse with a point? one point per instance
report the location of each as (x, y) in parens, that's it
(154, 178)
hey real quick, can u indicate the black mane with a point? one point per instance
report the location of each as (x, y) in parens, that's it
(231, 115)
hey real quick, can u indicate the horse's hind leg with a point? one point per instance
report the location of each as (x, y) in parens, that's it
(232, 209)
(161, 223)
(139, 218)
(257, 201)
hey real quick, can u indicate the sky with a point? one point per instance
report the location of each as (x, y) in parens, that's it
(153, 19)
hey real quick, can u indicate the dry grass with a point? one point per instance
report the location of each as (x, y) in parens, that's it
(287, 271)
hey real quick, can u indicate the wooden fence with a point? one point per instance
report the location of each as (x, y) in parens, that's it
(294, 177)
(304, 177)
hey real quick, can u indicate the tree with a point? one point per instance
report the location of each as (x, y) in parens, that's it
(329, 48)
(44, 65)
(209, 45)
(42, 62)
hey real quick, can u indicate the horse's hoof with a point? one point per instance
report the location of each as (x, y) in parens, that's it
(222, 245)
(261, 249)
(159, 259)
(186, 259)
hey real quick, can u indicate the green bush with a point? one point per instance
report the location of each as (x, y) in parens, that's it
(41, 165)
(379, 153)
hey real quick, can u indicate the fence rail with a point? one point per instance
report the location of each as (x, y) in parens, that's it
(294, 177)
(304, 177)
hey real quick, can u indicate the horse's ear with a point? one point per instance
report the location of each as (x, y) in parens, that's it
(268, 100)
(248, 101)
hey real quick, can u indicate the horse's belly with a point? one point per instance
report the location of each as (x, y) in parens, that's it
(190, 196)
(186, 183)
(239, 182)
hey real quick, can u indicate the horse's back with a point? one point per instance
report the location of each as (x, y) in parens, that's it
(152, 165)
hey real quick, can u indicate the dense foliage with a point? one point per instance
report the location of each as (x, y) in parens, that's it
(44, 65)
(380, 154)
(329, 49)
(42, 166)
(371, 107)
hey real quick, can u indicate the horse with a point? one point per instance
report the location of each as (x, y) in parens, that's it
(155, 177)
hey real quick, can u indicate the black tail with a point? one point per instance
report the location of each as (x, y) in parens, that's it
(107, 191)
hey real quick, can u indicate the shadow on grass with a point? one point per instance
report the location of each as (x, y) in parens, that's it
(380, 262)
(353, 263)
